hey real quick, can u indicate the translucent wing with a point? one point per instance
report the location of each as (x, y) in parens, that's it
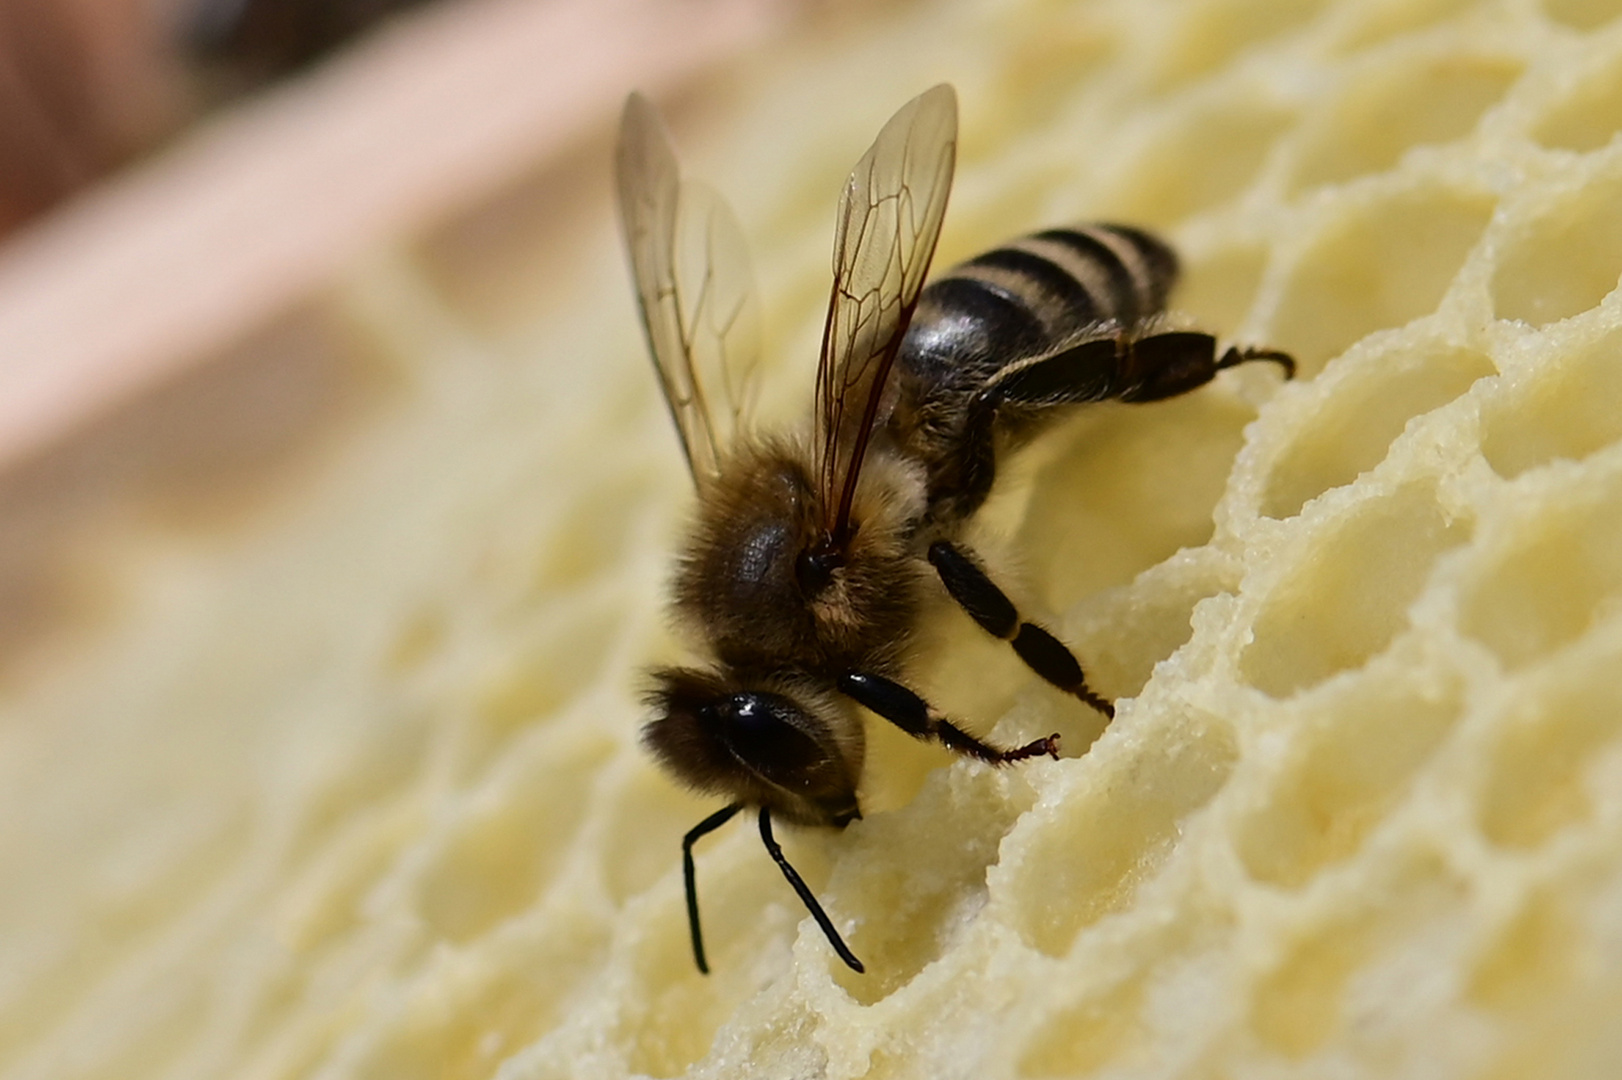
(889, 218)
(694, 287)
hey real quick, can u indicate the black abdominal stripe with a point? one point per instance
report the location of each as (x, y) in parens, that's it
(1046, 287)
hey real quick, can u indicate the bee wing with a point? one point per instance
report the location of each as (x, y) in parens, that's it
(889, 218)
(694, 287)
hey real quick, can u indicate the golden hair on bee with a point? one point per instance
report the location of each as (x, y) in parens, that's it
(811, 559)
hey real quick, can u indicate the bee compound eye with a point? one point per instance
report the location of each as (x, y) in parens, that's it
(766, 731)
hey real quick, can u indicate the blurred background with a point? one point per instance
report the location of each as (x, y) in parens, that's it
(88, 85)
(183, 181)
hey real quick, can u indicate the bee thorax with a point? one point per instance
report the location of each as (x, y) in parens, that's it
(760, 584)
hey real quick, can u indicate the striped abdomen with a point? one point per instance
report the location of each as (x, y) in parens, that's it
(1024, 299)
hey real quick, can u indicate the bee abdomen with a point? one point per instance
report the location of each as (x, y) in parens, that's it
(1025, 298)
(1124, 272)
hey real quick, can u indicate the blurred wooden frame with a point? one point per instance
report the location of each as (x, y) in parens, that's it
(124, 287)
(161, 335)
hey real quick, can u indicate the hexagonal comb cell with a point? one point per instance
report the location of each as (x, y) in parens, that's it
(1051, 54)
(642, 830)
(1214, 31)
(1552, 575)
(1582, 14)
(504, 853)
(908, 914)
(1377, 264)
(1423, 100)
(1131, 488)
(1202, 157)
(1589, 115)
(1348, 763)
(1349, 593)
(1348, 962)
(1382, 19)
(1088, 1035)
(1550, 735)
(451, 1024)
(537, 675)
(1218, 287)
(1565, 412)
(1085, 858)
(1351, 430)
(1531, 956)
(1565, 259)
(1127, 633)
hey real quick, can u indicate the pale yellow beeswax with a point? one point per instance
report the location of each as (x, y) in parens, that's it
(353, 789)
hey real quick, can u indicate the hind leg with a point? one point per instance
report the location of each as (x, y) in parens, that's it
(1119, 367)
(1165, 365)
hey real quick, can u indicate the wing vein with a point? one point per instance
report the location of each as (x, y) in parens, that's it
(693, 287)
(889, 220)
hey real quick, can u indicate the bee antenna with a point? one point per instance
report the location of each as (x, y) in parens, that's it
(702, 829)
(804, 893)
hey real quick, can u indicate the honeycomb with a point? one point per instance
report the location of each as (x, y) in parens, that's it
(344, 781)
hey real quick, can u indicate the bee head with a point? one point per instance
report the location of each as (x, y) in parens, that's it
(771, 742)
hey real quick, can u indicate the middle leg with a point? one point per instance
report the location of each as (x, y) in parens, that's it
(989, 606)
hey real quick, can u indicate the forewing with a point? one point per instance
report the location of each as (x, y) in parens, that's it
(694, 287)
(889, 218)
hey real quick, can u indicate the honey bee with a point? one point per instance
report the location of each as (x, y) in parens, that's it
(812, 554)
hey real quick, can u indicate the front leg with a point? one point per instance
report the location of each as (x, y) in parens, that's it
(989, 606)
(803, 891)
(912, 714)
(690, 877)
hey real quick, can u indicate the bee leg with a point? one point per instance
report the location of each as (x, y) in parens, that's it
(912, 714)
(1080, 373)
(989, 606)
(804, 893)
(1129, 369)
(1165, 365)
(690, 876)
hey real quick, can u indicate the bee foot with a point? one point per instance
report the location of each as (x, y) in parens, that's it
(1048, 746)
